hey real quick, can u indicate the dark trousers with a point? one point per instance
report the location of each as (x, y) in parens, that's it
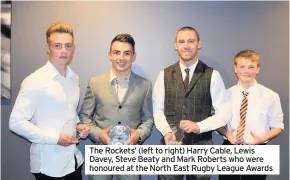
(188, 177)
(241, 177)
(76, 175)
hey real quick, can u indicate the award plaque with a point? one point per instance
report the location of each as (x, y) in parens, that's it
(119, 134)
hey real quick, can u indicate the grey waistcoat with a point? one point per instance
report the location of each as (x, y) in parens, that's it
(194, 103)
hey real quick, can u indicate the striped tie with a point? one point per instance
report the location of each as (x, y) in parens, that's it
(243, 112)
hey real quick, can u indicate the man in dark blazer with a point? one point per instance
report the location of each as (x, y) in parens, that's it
(118, 96)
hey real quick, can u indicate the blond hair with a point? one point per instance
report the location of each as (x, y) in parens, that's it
(58, 27)
(248, 54)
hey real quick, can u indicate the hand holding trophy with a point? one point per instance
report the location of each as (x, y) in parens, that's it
(67, 135)
(82, 131)
(119, 134)
(70, 127)
(178, 134)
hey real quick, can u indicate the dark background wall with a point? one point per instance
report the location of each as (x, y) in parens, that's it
(225, 28)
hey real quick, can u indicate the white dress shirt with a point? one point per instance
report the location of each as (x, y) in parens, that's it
(121, 87)
(216, 88)
(45, 106)
(263, 113)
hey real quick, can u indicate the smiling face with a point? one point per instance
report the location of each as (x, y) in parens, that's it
(121, 55)
(60, 49)
(187, 45)
(246, 70)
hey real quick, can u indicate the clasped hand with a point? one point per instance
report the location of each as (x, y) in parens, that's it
(134, 136)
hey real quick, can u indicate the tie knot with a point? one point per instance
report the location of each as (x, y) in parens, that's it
(187, 70)
(245, 93)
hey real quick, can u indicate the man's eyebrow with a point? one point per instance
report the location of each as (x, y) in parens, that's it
(61, 43)
(128, 51)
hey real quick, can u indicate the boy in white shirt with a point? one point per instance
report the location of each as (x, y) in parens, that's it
(251, 112)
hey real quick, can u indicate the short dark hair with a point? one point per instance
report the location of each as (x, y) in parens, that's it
(248, 54)
(188, 28)
(58, 27)
(126, 38)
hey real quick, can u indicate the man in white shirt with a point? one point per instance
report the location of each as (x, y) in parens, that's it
(45, 111)
(252, 112)
(184, 92)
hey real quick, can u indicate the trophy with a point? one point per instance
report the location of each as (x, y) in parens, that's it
(69, 127)
(179, 133)
(119, 134)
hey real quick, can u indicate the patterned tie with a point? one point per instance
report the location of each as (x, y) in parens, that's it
(243, 112)
(115, 83)
(186, 80)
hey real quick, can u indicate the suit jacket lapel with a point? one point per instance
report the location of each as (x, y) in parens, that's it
(111, 88)
(132, 84)
(196, 75)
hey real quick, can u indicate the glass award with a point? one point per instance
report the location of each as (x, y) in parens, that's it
(119, 134)
(179, 134)
(70, 128)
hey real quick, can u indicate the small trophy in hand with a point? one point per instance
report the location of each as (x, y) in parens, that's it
(179, 134)
(70, 128)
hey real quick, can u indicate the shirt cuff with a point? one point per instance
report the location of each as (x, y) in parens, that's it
(167, 130)
(51, 137)
(141, 134)
(277, 125)
(95, 133)
(202, 127)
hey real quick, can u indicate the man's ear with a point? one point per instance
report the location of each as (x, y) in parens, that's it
(74, 48)
(109, 56)
(199, 45)
(235, 69)
(258, 69)
(134, 57)
(47, 50)
(175, 46)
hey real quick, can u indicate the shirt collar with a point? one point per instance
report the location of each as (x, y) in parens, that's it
(54, 72)
(113, 76)
(254, 88)
(192, 67)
